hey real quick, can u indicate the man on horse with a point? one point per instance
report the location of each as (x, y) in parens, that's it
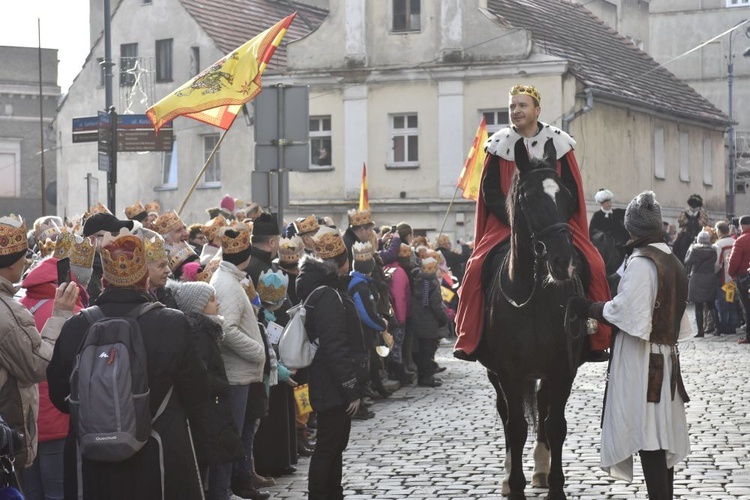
(607, 231)
(691, 221)
(492, 227)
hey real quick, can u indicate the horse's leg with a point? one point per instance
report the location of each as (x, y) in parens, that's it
(557, 429)
(541, 447)
(516, 430)
(502, 410)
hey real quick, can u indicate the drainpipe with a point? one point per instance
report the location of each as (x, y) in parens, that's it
(589, 93)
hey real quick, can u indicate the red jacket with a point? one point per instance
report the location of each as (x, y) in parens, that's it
(739, 259)
(40, 284)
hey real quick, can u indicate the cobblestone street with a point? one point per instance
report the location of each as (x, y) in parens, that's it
(447, 442)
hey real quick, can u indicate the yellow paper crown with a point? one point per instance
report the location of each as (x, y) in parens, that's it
(78, 249)
(208, 271)
(291, 250)
(46, 248)
(272, 286)
(404, 250)
(100, 208)
(179, 253)
(307, 225)
(168, 222)
(153, 207)
(129, 267)
(239, 244)
(327, 243)
(528, 90)
(12, 235)
(211, 229)
(362, 251)
(153, 243)
(359, 218)
(47, 228)
(134, 210)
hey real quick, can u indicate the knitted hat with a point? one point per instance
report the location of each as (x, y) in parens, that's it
(191, 296)
(266, 224)
(643, 215)
(704, 238)
(227, 203)
(603, 195)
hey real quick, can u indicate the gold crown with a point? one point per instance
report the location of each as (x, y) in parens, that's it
(362, 251)
(135, 210)
(168, 222)
(46, 248)
(78, 249)
(239, 244)
(404, 250)
(528, 90)
(12, 235)
(357, 218)
(306, 225)
(129, 267)
(179, 253)
(208, 271)
(291, 249)
(153, 243)
(47, 228)
(327, 243)
(272, 286)
(429, 265)
(99, 209)
(249, 287)
(211, 229)
(153, 207)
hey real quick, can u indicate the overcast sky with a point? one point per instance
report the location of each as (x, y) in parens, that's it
(64, 26)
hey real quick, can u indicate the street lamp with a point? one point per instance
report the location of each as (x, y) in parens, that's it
(730, 131)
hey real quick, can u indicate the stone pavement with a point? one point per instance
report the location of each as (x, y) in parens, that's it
(447, 442)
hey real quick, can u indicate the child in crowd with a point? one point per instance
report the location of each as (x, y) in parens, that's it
(427, 321)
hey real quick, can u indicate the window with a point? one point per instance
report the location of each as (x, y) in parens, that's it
(195, 61)
(708, 162)
(495, 119)
(659, 170)
(128, 61)
(164, 60)
(212, 176)
(320, 141)
(738, 3)
(169, 168)
(684, 157)
(10, 168)
(406, 15)
(405, 141)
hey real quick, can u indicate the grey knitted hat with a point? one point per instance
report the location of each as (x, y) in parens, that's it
(192, 296)
(643, 215)
(704, 238)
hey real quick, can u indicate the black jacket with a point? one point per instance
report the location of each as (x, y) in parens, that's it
(427, 313)
(172, 360)
(331, 319)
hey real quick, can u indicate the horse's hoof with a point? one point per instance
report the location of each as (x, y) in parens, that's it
(505, 491)
(539, 480)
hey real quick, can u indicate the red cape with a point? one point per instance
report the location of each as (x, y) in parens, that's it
(489, 231)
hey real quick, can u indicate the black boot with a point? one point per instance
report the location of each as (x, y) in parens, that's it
(658, 477)
(401, 375)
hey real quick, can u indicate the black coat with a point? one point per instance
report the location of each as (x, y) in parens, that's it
(427, 320)
(702, 280)
(215, 421)
(332, 319)
(172, 361)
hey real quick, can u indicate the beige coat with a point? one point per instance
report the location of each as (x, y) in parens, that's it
(24, 355)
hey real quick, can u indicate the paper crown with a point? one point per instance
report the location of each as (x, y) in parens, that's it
(154, 206)
(429, 265)
(168, 222)
(327, 243)
(404, 251)
(135, 210)
(211, 228)
(305, 225)
(272, 286)
(47, 228)
(253, 210)
(362, 251)
(208, 270)
(179, 253)
(359, 218)
(78, 249)
(46, 248)
(528, 90)
(153, 243)
(123, 259)
(232, 245)
(291, 250)
(12, 235)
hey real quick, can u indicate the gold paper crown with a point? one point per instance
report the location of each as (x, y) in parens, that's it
(168, 222)
(211, 229)
(362, 251)
(404, 251)
(47, 228)
(272, 286)
(528, 90)
(438, 256)
(78, 249)
(153, 207)
(208, 270)
(179, 253)
(357, 218)
(129, 267)
(291, 250)
(306, 225)
(327, 243)
(12, 235)
(99, 209)
(239, 244)
(134, 210)
(429, 265)
(46, 248)
(153, 243)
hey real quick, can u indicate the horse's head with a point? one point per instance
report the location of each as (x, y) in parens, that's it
(544, 205)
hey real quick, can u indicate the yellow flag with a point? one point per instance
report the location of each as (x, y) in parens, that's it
(217, 94)
(471, 174)
(364, 199)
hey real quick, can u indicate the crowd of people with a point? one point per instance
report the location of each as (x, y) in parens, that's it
(211, 300)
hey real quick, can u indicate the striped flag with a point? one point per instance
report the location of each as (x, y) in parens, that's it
(471, 174)
(364, 200)
(217, 94)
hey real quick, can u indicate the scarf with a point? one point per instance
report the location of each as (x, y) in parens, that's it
(634, 243)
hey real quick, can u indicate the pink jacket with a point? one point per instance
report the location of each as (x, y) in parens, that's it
(400, 292)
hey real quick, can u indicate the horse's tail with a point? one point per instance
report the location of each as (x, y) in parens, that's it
(529, 404)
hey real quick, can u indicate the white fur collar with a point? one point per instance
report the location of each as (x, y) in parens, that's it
(502, 142)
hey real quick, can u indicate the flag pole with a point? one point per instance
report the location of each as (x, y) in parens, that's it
(203, 170)
(450, 205)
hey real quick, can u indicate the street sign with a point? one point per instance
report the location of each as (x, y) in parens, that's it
(86, 129)
(105, 141)
(282, 116)
(136, 133)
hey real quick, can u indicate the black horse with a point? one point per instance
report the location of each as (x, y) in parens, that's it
(526, 338)
(687, 235)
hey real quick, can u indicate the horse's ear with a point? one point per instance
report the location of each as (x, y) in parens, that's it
(550, 153)
(521, 156)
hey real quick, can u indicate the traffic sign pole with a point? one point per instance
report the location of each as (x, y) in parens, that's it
(112, 173)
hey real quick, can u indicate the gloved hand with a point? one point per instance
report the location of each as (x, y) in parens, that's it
(580, 306)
